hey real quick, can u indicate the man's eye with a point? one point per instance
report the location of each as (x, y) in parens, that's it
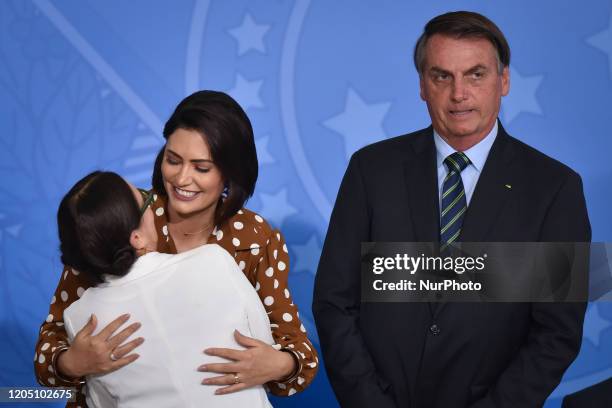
(477, 75)
(441, 77)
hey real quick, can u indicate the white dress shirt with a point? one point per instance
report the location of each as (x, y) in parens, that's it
(186, 303)
(469, 176)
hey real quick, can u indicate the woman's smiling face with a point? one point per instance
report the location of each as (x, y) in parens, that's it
(192, 180)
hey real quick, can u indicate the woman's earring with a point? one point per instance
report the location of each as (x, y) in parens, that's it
(225, 192)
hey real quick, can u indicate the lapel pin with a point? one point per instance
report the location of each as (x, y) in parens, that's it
(509, 187)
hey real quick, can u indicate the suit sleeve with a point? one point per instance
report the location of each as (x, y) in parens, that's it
(336, 301)
(556, 328)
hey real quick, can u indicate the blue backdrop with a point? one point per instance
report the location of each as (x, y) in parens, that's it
(88, 84)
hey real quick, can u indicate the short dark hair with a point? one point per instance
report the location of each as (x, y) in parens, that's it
(462, 24)
(227, 131)
(95, 220)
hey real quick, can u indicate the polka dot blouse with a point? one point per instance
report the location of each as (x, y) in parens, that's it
(260, 252)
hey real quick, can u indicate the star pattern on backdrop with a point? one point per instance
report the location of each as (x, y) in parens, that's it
(360, 123)
(14, 230)
(263, 154)
(247, 92)
(250, 35)
(603, 42)
(594, 324)
(307, 255)
(522, 96)
(276, 208)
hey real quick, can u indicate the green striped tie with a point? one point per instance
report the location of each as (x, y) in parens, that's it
(454, 204)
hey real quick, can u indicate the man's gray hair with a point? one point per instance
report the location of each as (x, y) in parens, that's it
(463, 24)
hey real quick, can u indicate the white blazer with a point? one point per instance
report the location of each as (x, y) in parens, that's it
(186, 303)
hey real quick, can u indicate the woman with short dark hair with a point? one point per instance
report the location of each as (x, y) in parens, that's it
(202, 177)
(95, 227)
(113, 242)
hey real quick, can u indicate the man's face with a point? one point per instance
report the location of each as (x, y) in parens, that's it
(462, 87)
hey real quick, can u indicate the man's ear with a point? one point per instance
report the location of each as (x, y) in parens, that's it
(421, 92)
(505, 81)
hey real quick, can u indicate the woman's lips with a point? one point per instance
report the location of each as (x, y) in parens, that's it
(184, 195)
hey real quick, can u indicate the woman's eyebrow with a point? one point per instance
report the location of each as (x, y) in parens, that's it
(193, 161)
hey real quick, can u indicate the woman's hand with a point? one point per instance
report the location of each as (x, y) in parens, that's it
(92, 354)
(256, 365)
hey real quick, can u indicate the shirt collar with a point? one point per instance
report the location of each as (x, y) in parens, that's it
(477, 153)
(144, 265)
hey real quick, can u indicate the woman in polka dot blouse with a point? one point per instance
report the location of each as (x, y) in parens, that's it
(201, 179)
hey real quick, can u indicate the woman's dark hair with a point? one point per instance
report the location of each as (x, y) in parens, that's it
(95, 220)
(227, 131)
(463, 24)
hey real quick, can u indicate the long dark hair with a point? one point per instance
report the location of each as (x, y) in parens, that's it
(95, 220)
(227, 131)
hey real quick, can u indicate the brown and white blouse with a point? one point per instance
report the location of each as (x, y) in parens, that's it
(260, 252)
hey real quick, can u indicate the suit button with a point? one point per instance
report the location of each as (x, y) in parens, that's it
(434, 329)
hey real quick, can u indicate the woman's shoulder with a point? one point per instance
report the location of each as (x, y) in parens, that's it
(247, 229)
(158, 201)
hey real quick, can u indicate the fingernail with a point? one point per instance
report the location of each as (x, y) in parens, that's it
(207, 351)
(218, 392)
(202, 368)
(205, 381)
(126, 316)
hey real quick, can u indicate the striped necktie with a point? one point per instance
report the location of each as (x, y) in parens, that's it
(454, 204)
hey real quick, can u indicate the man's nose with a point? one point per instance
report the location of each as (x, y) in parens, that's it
(459, 91)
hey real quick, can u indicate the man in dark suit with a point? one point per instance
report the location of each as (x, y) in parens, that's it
(461, 179)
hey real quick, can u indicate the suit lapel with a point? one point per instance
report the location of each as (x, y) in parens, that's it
(422, 183)
(492, 191)
(421, 176)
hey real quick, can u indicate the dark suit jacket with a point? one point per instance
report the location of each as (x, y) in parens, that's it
(481, 354)
(595, 396)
